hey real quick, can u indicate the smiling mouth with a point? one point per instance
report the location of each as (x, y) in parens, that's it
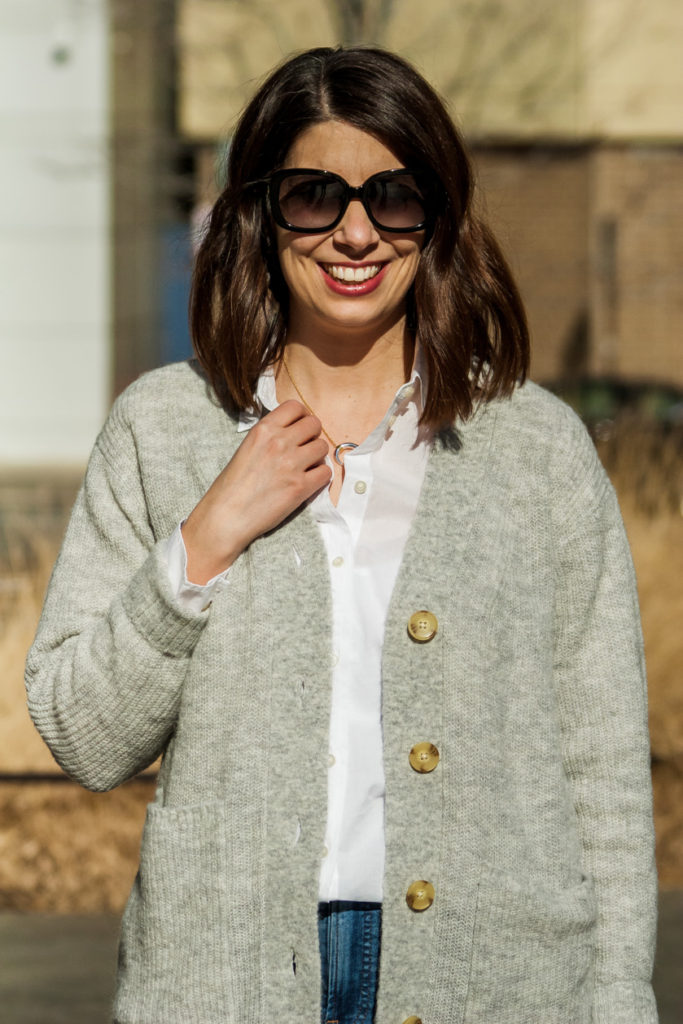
(352, 275)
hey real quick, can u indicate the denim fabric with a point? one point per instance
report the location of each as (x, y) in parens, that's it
(349, 936)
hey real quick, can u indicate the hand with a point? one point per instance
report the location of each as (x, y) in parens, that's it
(280, 464)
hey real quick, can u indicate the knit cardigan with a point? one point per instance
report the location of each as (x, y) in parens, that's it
(535, 827)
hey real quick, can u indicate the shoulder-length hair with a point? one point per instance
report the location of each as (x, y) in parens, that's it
(464, 306)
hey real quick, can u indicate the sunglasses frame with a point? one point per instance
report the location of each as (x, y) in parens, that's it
(350, 192)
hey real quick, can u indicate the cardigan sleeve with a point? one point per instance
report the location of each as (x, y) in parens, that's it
(603, 707)
(106, 669)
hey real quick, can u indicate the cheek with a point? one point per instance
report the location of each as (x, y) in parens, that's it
(294, 261)
(411, 262)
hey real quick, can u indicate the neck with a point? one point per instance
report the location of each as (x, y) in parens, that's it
(349, 392)
(323, 363)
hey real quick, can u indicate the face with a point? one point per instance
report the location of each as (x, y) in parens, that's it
(316, 267)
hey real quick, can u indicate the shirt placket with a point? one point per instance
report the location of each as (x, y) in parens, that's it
(341, 527)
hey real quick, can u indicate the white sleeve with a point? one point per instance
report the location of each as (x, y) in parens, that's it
(193, 597)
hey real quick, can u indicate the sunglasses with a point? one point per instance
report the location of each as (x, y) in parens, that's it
(310, 201)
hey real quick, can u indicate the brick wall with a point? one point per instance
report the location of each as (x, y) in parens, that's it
(639, 192)
(593, 235)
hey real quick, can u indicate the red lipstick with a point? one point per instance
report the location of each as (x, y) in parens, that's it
(353, 287)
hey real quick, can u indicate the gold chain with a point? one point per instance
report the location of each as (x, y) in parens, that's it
(339, 449)
(296, 388)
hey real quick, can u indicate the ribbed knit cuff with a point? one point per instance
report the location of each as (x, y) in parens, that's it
(156, 614)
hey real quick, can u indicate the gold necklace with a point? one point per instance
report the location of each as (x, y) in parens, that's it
(339, 449)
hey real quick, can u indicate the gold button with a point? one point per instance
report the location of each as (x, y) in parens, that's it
(422, 626)
(420, 895)
(413, 1020)
(424, 757)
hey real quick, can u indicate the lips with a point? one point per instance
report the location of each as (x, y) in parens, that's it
(350, 279)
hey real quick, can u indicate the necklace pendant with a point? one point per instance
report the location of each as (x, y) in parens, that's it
(345, 446)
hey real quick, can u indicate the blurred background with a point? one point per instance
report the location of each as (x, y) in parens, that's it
(114, 119)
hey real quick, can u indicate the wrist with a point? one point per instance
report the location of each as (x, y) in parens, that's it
(206, 557)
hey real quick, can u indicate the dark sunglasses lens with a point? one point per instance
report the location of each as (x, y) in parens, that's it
(308, 201)
(397, 202)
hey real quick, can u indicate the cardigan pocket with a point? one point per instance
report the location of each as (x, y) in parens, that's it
(533, 953)
(190, 934)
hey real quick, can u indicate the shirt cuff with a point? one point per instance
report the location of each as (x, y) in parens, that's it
(193, 597)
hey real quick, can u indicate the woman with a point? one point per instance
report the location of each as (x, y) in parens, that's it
(392, 657)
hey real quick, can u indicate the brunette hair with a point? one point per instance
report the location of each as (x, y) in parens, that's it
(464, 306)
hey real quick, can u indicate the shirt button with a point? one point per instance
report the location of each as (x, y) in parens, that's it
(336, 562)
(422, 626)
(424, 757)
(331, 760)
(360, 487)
(325, 851)
(420, 895)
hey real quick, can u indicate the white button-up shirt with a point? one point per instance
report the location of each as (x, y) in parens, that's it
(364, 537)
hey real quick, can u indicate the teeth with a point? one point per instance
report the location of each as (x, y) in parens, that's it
(355, 274)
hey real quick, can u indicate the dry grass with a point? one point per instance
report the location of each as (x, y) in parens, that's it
(21, 597)
(646, 466)
(63, 849)
(657, 546)
(667, 784)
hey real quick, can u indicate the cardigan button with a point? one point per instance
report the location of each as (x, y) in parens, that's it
(413, 1020)
(422, 626)
(424, 757)
(420, 895)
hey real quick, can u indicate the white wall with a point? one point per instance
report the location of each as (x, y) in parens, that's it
(54, 229)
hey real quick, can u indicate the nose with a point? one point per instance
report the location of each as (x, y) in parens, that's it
(355, 229)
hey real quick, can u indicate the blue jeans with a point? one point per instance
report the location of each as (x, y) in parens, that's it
(349, 935)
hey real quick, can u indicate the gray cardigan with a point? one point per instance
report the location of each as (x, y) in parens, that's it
(534, 829)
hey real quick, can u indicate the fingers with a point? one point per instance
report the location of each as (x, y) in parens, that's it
(314, 452)
(303, 431)
(291, 427)
(292, 462)
(289, 440)
(280, 464)
(290, 412)
(317, 476)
